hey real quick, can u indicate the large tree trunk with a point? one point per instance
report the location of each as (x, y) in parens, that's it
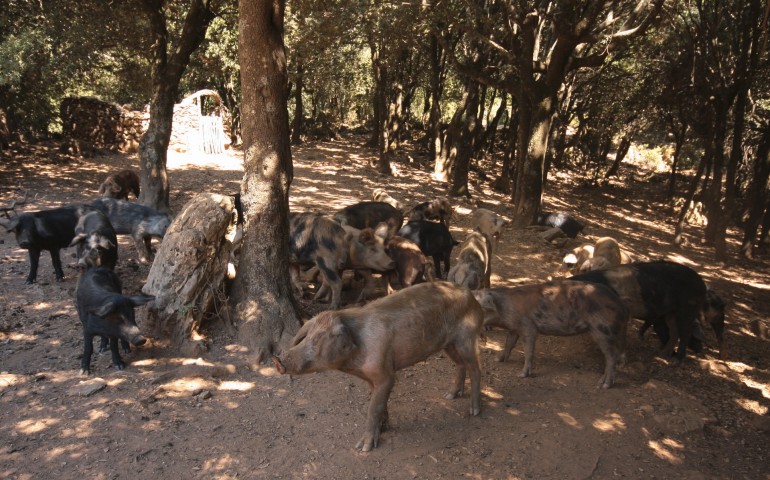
(534, 127)
(436, 88)
(166, 74)
(264, 303)
(454, 136)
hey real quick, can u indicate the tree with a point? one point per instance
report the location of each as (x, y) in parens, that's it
(532, 46)
(264, 304)
(167, 71)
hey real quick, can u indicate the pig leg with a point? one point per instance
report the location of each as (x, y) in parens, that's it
(294, 272)
(447, 257)
(140, 249)
(116, 360)
(368, 285)
(529, 354)
(34, 260)
(105, 340)
(378, 405)
(56, 260)
(466, 358)
(391, 277)
(684, 322)
(148, 246)
(510, 342)
(609, 348)
(331, 279)
(673, 336)
(437, 264)
(88, 350)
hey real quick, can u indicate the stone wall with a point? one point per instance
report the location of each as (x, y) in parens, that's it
(103, 124)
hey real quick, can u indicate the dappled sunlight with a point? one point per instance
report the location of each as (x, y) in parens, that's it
(219, 465)
(35, 425)
(21, 337)
(492, 394)
(668, 450)
(612, 422)
(569, 420)
(72, 452)
(9, 380)
(237, 386)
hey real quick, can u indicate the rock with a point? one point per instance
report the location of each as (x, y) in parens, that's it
(88, 387)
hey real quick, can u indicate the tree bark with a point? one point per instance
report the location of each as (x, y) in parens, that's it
(166, 74)
(757, 196)
(264, 303)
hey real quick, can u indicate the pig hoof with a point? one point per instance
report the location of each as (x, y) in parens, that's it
(475, 411)
(524, 374)
(28, 282)
(85, 372)
(451, 395)
(368, 442)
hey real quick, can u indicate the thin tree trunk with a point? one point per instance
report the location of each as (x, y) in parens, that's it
(166, 75)
(757, 196)
(264, 303)
(678, 239)
(299, 113)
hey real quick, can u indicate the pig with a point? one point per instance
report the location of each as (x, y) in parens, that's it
(380, 195)
(412, 266)
(315, 240)
(438, 209)
(106, 312)
(96, 241)
(366, 253)
(433, 239)
(575, 259)
(49, 230)
(373, 342)
(488, 222)
(141, 222)
(318, 241)
(659, 291)
(713, 313)
(606, 254)
(558, 308)
(473, 269)
(369, 215)
(569, 225)
(119, 185)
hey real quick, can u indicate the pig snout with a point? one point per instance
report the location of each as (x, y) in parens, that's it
(138, 340)
(279, 365)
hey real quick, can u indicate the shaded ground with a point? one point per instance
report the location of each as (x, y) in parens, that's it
(213, 417)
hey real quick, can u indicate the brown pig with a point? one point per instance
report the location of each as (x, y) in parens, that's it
(412, 266)
(558, 308)
(120, 184)
(373, 342)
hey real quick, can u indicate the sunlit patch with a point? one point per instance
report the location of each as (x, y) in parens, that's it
(69, 450)
(752, 406)
(492, 394)
(235, 348)
(569, 420)
(667, 450)
(268, 371)
(611, 423)
(184, 386)
(41, 306)
(35, 425)
(236, 385)
(22, 337)
(9, 379)
(97, 415)
(220, 464)
(114, 382)
(197, 361)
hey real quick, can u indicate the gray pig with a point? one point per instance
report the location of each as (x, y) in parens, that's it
(373, 342)
(558, 308)
(141, 222)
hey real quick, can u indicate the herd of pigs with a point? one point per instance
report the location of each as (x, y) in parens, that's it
(429, 306)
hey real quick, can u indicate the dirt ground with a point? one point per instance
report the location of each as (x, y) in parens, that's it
(214, 417)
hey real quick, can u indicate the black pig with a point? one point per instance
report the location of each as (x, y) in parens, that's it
(141, 222)
(106, 312)
(433, 239)
(96, 241)
(369, 215)
(49, 230)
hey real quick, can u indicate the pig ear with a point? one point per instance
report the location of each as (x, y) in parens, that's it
(341, 342)
(104, 309)
(78, 238)
(11, 224)
(382, 230)
(106, 243)
(138, 300)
